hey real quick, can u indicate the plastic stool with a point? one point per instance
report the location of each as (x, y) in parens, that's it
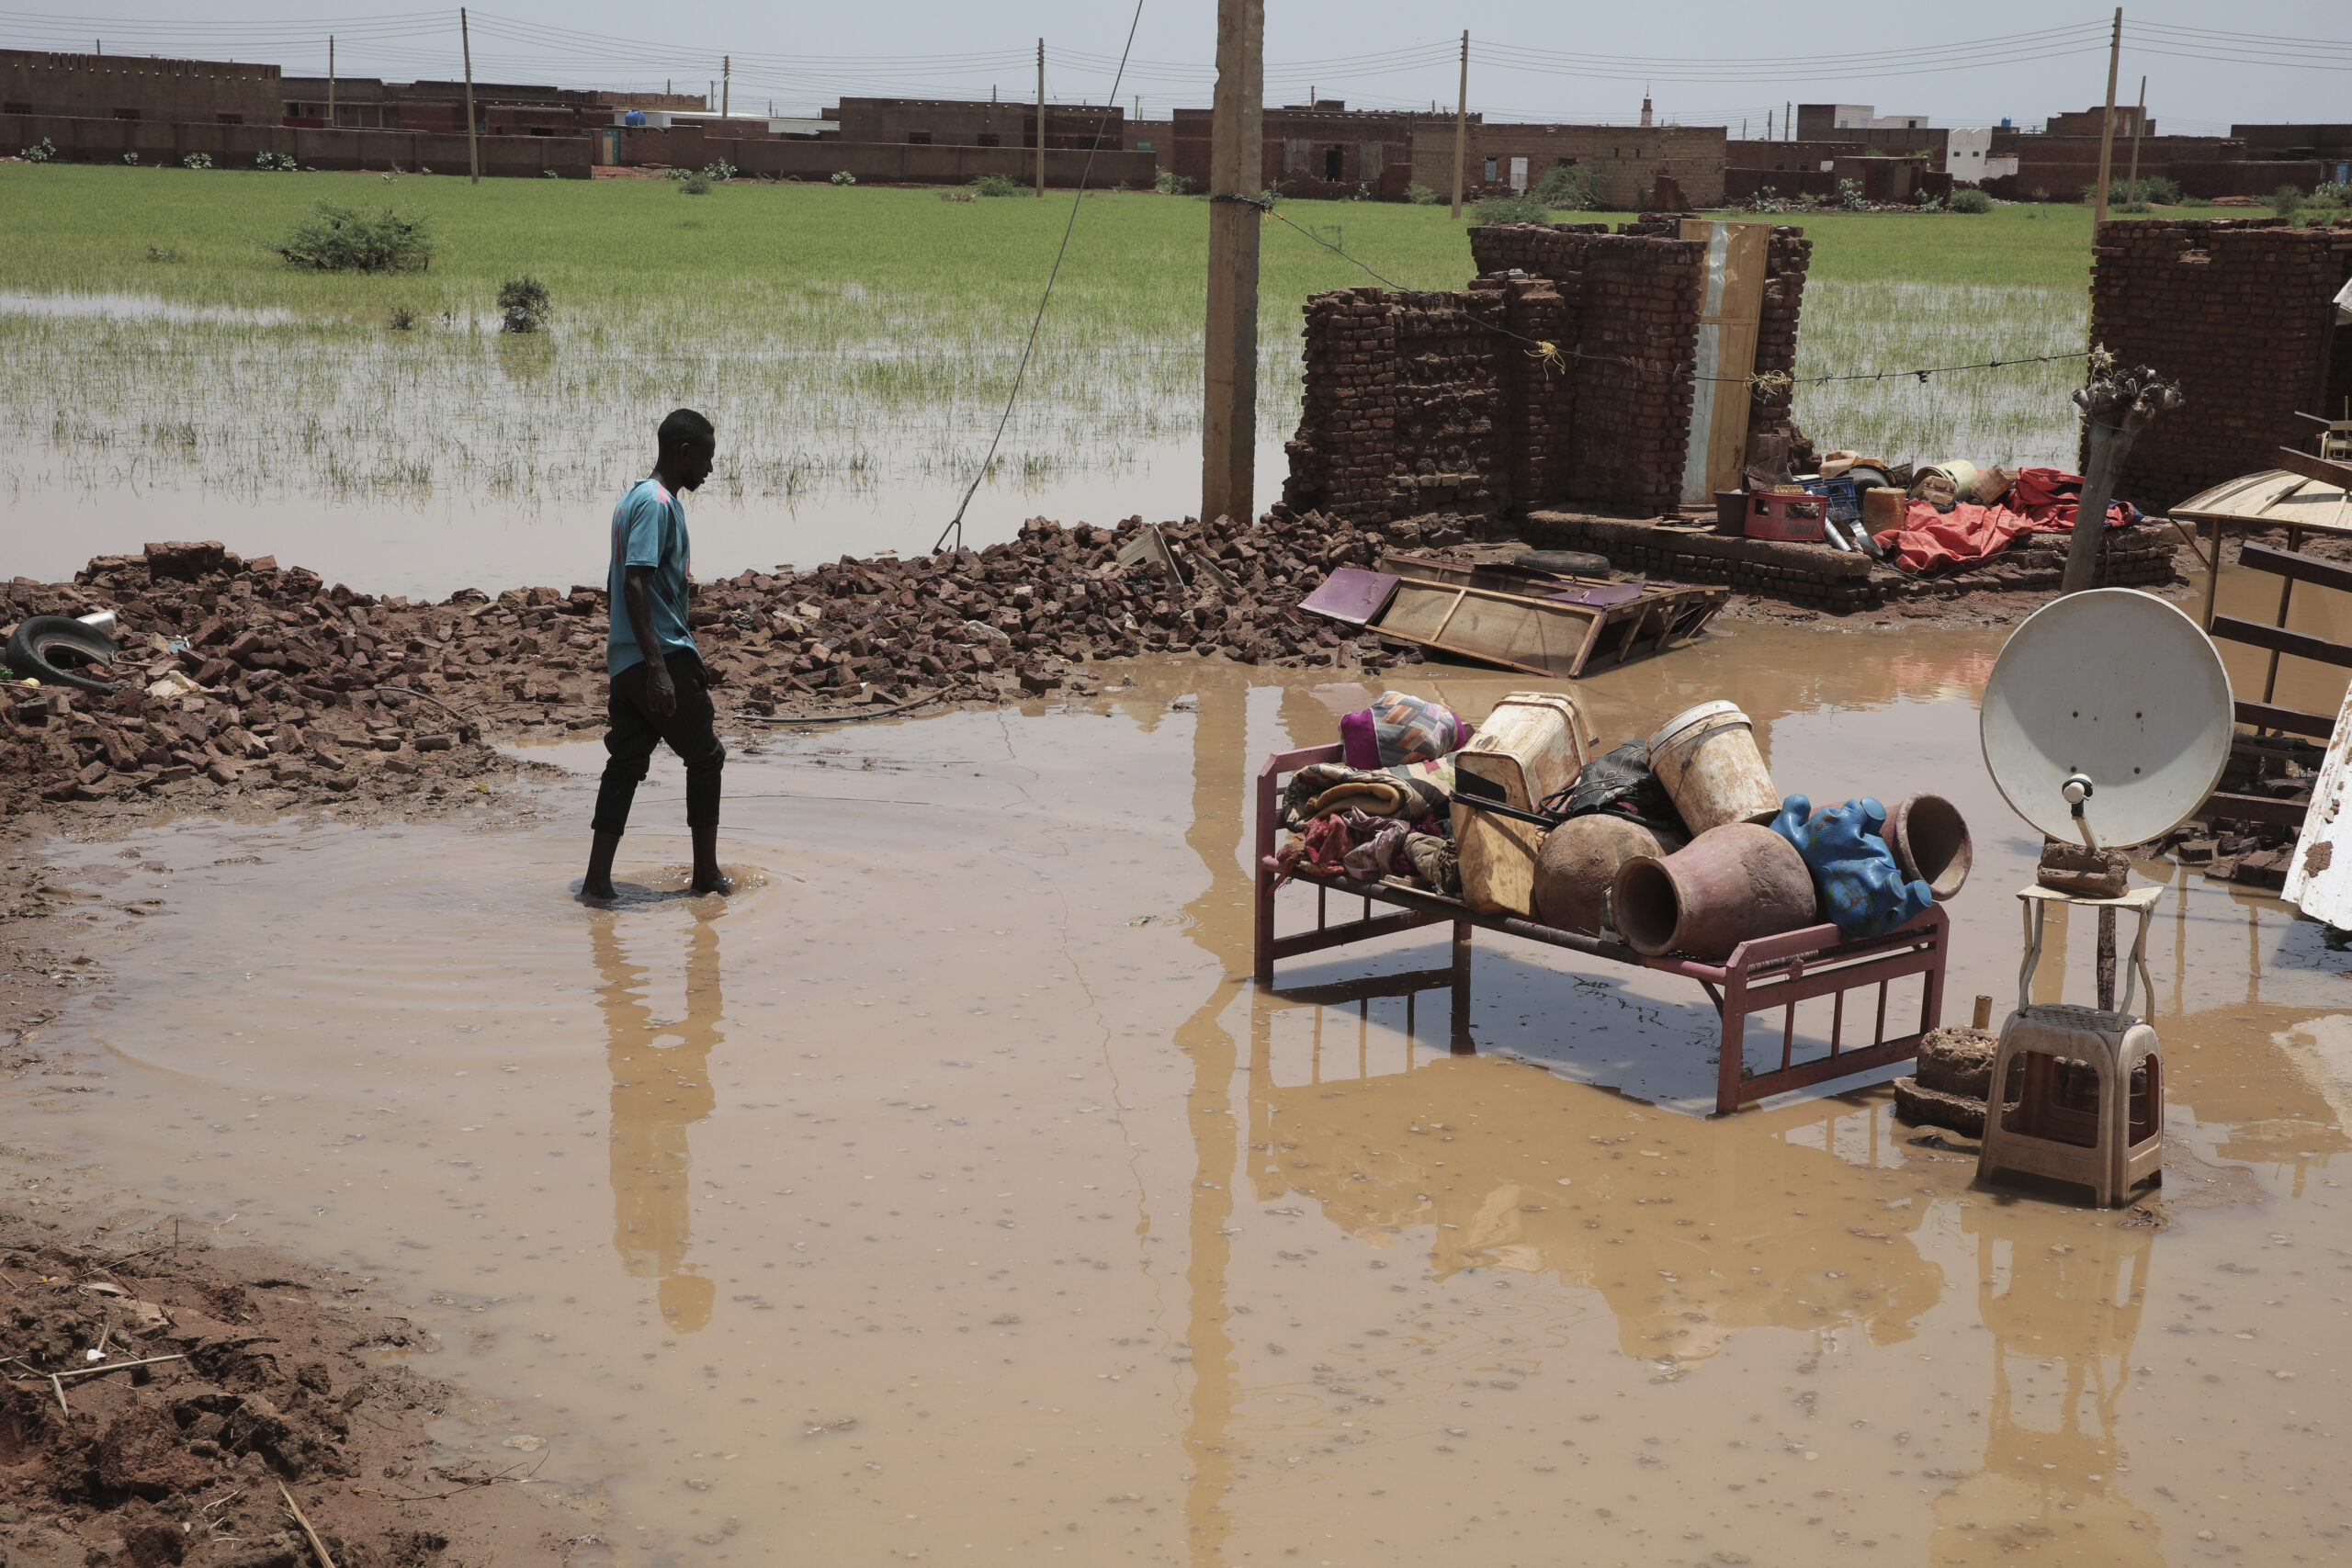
(2110, 1149)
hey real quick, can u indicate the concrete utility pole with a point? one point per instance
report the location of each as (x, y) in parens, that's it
(473, 147)
(1040, 116)
(2107, 129)
(726, 83)
(1237, 173)
(1461, 123)
(2139, 126)
(330, 81)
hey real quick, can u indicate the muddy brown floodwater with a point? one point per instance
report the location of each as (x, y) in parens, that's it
(951, 1195)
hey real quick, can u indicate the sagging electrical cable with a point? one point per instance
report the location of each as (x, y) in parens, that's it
(1077, 199)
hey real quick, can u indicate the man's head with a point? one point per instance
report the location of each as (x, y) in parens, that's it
(689, 447)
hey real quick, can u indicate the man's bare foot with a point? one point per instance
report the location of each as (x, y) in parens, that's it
(713, 881)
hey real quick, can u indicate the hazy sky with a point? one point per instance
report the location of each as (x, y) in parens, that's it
(2290, 59)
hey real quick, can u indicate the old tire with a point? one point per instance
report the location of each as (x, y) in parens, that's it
(30, 645)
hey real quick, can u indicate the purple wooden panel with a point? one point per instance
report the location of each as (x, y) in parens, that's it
(1352, 594)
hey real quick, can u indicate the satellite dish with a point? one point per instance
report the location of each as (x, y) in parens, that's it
(2115, 698)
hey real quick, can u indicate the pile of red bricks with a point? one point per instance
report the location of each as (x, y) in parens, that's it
(244, 678)
(2238, 312)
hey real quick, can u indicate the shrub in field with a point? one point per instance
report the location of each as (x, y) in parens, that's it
(2195, 201)
(131, 158)
(999, 184)
(275, 163)
(843, 177)
(196, 161)
(2332, 193)
(1170, 183)
(1849, 196)
(696, 186)
(1970, 200)
(404, 318)
(1420, 196)
(40, 151)
(2286, 200)
(522, 304)
(1569, 187)
(1511, 210)
(342, 239)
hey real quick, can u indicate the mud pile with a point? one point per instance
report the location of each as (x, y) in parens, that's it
(249, 678)
(236, 1377)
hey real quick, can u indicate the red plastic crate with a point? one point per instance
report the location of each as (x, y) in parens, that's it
(1794, 518)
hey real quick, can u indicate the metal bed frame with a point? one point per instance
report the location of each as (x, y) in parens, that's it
(1769, 972)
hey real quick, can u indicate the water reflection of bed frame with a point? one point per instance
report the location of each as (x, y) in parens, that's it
(1772, 971)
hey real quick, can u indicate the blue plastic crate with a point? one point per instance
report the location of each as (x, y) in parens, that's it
(1845, 496)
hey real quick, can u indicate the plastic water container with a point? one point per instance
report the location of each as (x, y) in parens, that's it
(1707, 759)
(1533, 745)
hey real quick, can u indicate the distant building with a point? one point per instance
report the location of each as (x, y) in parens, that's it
(138, 87)
(1861, 125)
(1967, 152)
(957, 122)
(2092, 122)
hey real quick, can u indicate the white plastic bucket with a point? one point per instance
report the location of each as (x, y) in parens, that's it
(1707, 759)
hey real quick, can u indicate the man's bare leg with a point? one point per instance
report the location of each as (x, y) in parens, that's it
(708, 879)
(598, 882)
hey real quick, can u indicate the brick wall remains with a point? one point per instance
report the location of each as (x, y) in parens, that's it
(2239, 313)
(1414, 404)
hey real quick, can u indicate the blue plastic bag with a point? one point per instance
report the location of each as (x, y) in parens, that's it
(1861, 888)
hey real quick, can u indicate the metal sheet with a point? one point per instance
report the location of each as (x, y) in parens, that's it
(1351, 595)
(2319, 879)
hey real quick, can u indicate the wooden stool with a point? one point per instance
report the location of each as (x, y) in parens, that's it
(2118, 1143)
(2111, 1148)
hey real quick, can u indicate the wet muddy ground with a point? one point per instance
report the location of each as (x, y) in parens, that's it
(951, 1195)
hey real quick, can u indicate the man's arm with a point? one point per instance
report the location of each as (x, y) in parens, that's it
(637, 593)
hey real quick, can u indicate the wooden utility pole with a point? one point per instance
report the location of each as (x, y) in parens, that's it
(726, 83)
(473, 147)
(1237, 173)
(2107, 130)
(2139, 125)
(1040, 116)
(1461, 123)
(330, 81)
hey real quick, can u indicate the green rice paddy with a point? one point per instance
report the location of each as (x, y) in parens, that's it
(842, 338)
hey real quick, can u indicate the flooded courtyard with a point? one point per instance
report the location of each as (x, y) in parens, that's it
(952, 1194)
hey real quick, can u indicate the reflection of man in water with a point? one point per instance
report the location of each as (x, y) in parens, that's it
(661, 1087)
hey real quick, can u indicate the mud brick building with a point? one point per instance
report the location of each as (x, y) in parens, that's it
(1430, 402)
(1625, 161)
(2241, 313)
(132, 87)
(1324, 150)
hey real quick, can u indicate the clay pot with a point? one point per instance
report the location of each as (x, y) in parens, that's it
(1578, 867)
(1930, 843)
(1732, 885)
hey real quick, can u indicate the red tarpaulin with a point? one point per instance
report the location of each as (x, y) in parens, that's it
(2042, 501)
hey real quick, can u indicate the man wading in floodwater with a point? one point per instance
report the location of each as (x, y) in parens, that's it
(659, 694)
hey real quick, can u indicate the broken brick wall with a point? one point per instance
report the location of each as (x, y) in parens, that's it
(1414, 405)
(2239, 313)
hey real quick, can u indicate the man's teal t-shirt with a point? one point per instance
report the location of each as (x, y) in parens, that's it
(649, 529)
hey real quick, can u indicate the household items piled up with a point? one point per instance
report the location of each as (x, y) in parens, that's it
(1931, 518)
(1546, 613)
(1677, 844)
